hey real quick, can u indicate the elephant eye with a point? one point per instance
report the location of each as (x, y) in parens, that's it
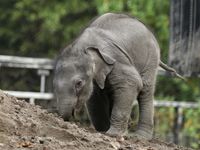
(78, 86)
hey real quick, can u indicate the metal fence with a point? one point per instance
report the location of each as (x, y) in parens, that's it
(43, 66)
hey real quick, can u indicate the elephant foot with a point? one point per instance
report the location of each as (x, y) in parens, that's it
(116, 133)
(141, 134)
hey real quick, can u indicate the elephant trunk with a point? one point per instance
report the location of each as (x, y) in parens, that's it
(66, 111)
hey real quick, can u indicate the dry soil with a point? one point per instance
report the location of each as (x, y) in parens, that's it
(24, 126)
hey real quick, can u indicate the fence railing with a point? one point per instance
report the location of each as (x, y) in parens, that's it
(31, 95)
(45, 65)
(26, 62)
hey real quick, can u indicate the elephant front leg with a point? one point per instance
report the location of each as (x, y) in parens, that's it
(124, 95)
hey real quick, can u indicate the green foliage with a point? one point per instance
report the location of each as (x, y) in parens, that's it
(178, 89)
(192, 126)
(190, 131)
(109, 6)
(164, 119)
(41, 27)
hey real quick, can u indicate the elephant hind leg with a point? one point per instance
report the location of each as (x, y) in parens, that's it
(99, 107)
(145, 100)
(146, 111)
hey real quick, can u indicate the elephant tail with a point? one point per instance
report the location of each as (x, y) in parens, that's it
(170, 69)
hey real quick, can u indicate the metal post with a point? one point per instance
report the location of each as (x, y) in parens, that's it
(42, 83)
(43, 74)
(178, 120)
(32, 101)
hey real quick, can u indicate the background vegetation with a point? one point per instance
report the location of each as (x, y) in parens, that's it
(40, 28)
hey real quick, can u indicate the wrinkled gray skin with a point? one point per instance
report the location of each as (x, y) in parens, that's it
(110, 65)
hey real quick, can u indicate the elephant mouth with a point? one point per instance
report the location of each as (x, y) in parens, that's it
(75, 113)
(79, 104)
(76, 110)
(81, 100)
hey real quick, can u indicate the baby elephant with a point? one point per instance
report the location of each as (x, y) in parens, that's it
(112, 63)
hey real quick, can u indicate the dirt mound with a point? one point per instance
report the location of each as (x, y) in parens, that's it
(25, 126)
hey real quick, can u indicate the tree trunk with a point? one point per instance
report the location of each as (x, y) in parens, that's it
(184, 53)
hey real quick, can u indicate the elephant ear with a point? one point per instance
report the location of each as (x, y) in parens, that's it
(102, 68)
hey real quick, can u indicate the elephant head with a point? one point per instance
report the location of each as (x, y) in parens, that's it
(76, 69)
